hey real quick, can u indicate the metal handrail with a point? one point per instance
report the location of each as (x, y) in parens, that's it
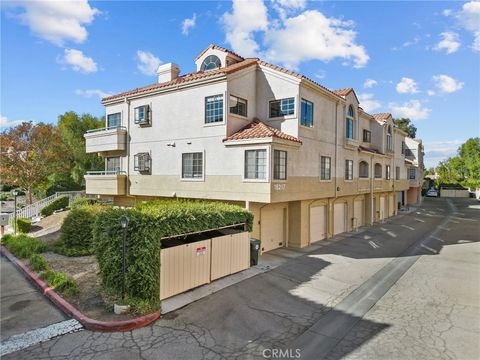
(106, 128)
(108, 172)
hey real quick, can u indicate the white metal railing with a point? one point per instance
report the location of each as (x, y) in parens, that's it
(33, 210)
(108, 172)
(106, 128)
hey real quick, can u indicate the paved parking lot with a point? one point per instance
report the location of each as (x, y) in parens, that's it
(406, 289)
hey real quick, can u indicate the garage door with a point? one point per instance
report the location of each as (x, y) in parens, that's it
(318, 224)
(358, 210)
(382, 207)
(391, 205)
(272, 227)
(339, 218)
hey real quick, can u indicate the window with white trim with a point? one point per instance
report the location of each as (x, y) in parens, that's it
(367, 136)
(349, 123)
(192, 165)
(378, 171)
(238, 106)
(363, 170)
(389, 138)
(142, 162)
(306, 113)
(325, 168)
(213, 109)
(113, 164)
(114, 120)
(411, 173)
(282, 107)
(142, 115)
(279, 165)
(348, 169)
(256, 164)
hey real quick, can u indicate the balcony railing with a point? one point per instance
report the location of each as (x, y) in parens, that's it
(105, 140)
(108, 172)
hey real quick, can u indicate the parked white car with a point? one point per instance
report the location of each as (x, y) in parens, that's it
(432, 193)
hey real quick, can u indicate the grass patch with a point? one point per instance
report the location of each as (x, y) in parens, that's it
(23, 246)
(38, 263)
(61, 282)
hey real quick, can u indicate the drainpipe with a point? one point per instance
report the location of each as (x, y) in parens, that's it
(372, 179)
(128, 148)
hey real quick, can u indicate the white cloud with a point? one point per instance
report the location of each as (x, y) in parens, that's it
(406, 44)
(369, 83)
(469, 19)
(148, 63)
(450, 42)
(447, 12)
(56, 21)
(407, 86)
(78, 61)
(412, 109)
(188, 23)
(431, 93)
(5, 123)
(436, 151)
(447, 84)
(286, 7)
(313, 36)
(91, 93)
(246, 18)
(368, 103)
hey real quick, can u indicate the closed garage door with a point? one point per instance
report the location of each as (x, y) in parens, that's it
(391, 205)
(358, 210)
(272, 227)
(318, 228)
(382, 207)
(339, 218)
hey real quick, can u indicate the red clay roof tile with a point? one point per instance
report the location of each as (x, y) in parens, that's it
(259, 130)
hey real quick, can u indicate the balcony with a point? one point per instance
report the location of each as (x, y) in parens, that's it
(350, 143)
(106, 140)
(106, 182)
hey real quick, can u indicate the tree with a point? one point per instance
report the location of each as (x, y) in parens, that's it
(72, 127)
(29, 154)
(406, 125)
(430, 171)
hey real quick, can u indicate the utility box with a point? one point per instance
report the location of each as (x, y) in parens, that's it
(4, 219)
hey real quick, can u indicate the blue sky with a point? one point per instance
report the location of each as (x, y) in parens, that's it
(414, 59)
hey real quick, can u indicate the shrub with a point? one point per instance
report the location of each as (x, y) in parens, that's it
(60, 282)
(57, 204)
(76, 237)
(23, 246)
(81, 201)
(149, 222)
(38, 263)
(6, 196)
(23, 225)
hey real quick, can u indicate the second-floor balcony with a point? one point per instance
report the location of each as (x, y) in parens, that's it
(106, 182)
(106, 140)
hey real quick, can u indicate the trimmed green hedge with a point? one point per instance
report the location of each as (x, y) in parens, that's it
(76, 237)
(23, 225)
(23, 246)
(57, 204)
(149, 222)
(81, 201)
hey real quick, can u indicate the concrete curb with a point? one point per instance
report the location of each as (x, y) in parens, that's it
(70, 310)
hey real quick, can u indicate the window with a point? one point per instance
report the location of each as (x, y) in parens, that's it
(213, 109)
(306, 114)
(142, 162)
(367, 136)
(142, 115)
(408, 153)
(114, 120)
(349, 123)
(279, 165)
(192, 165)
(387, 172)
(397, 173)
(325, 166)
(411, 173)
(238, 106)
(378, 171)
(389, 138)
(113, 164)
(348, 169)
(211, 62)
(363, 169)
(283, 107)
(256, 164)
(403, 147)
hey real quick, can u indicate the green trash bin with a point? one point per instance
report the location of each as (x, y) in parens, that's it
(254, 250)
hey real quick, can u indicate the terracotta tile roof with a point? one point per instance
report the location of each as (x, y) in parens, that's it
(343, 92)
(212, 46)
(185, 78)
(370, 150)
(259, 130)
(381, 117)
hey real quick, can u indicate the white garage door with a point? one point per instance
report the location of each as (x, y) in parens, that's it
(272, 227)
(391, 205)
(318, 228)
(339, 218)
(358, 213)
(382, 207)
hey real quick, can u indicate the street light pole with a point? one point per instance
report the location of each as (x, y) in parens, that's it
(124, 222)
(15, 194)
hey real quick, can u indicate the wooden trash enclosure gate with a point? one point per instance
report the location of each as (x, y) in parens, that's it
(198, 259)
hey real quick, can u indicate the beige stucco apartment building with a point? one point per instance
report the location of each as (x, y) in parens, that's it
(414, 161)
(307, 161)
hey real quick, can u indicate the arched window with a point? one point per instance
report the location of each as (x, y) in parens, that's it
(378, 171)
(389, 138)
(363, 169)
(349, 123)
(211, 62)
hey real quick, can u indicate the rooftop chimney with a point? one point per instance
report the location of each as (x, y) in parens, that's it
(167, 72)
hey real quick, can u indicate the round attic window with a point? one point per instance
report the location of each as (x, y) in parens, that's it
(211, 62)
